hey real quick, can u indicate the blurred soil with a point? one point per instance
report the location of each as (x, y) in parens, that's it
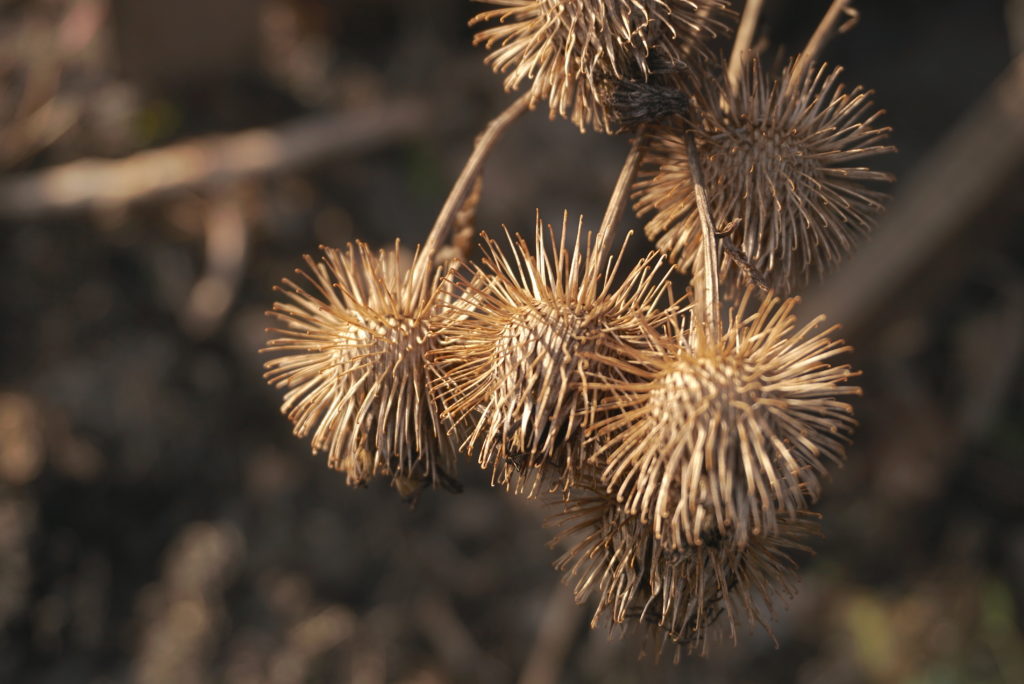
(159, 523)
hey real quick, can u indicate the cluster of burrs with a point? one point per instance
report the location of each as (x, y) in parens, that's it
(683, 438)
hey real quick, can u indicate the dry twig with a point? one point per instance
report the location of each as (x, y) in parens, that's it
(936, 200)
(209, 160)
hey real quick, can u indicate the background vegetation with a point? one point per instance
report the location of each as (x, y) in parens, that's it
(158, 522)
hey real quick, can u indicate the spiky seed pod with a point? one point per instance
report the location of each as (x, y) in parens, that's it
(676, 596)
(354, 345)
(571, 50)
(779, 154)
(726, 438)
(632, 104)
(512, 367)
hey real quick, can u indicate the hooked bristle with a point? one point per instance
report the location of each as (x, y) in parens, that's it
(353, 360)
(513, 365)
(570, 49)
(677, 596)
(730, 437)
(778, 154)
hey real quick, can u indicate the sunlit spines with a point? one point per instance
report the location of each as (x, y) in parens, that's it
(515, 365)
(728, 438)
(782, 154)
(571, 51)
(352, 357)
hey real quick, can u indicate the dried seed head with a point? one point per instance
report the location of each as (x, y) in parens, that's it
(634, 103)
(354, 347)
(779, 155)
(676, 596)
(571, 49)
(727, 438)
(512, 366)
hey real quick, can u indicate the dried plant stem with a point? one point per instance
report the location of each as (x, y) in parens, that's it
(464, 226)
(936, 200)
(706, 299)
(818, 40)
(464, 184)
(613, 212)
(207, 161)
(744, 36)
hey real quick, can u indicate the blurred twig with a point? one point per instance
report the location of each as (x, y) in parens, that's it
(450, 637)
(945, 190)
(214, 292)
(1015, 24)
(558, 627)
(210, 160)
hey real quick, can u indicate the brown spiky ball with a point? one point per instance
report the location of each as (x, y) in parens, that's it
(727, 437)
(674, 595)
(512, 366)
(571, 50)
(782, 155)
(353, 350)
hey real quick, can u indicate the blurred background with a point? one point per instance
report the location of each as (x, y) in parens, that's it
(163, 164)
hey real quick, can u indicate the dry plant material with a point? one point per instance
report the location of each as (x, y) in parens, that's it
(781, 156)
(675, 595)
(353, 361)
(513, 362)
(571, 49)
(634, 103)
(725, 438)
(686, 446)
(356, 344)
